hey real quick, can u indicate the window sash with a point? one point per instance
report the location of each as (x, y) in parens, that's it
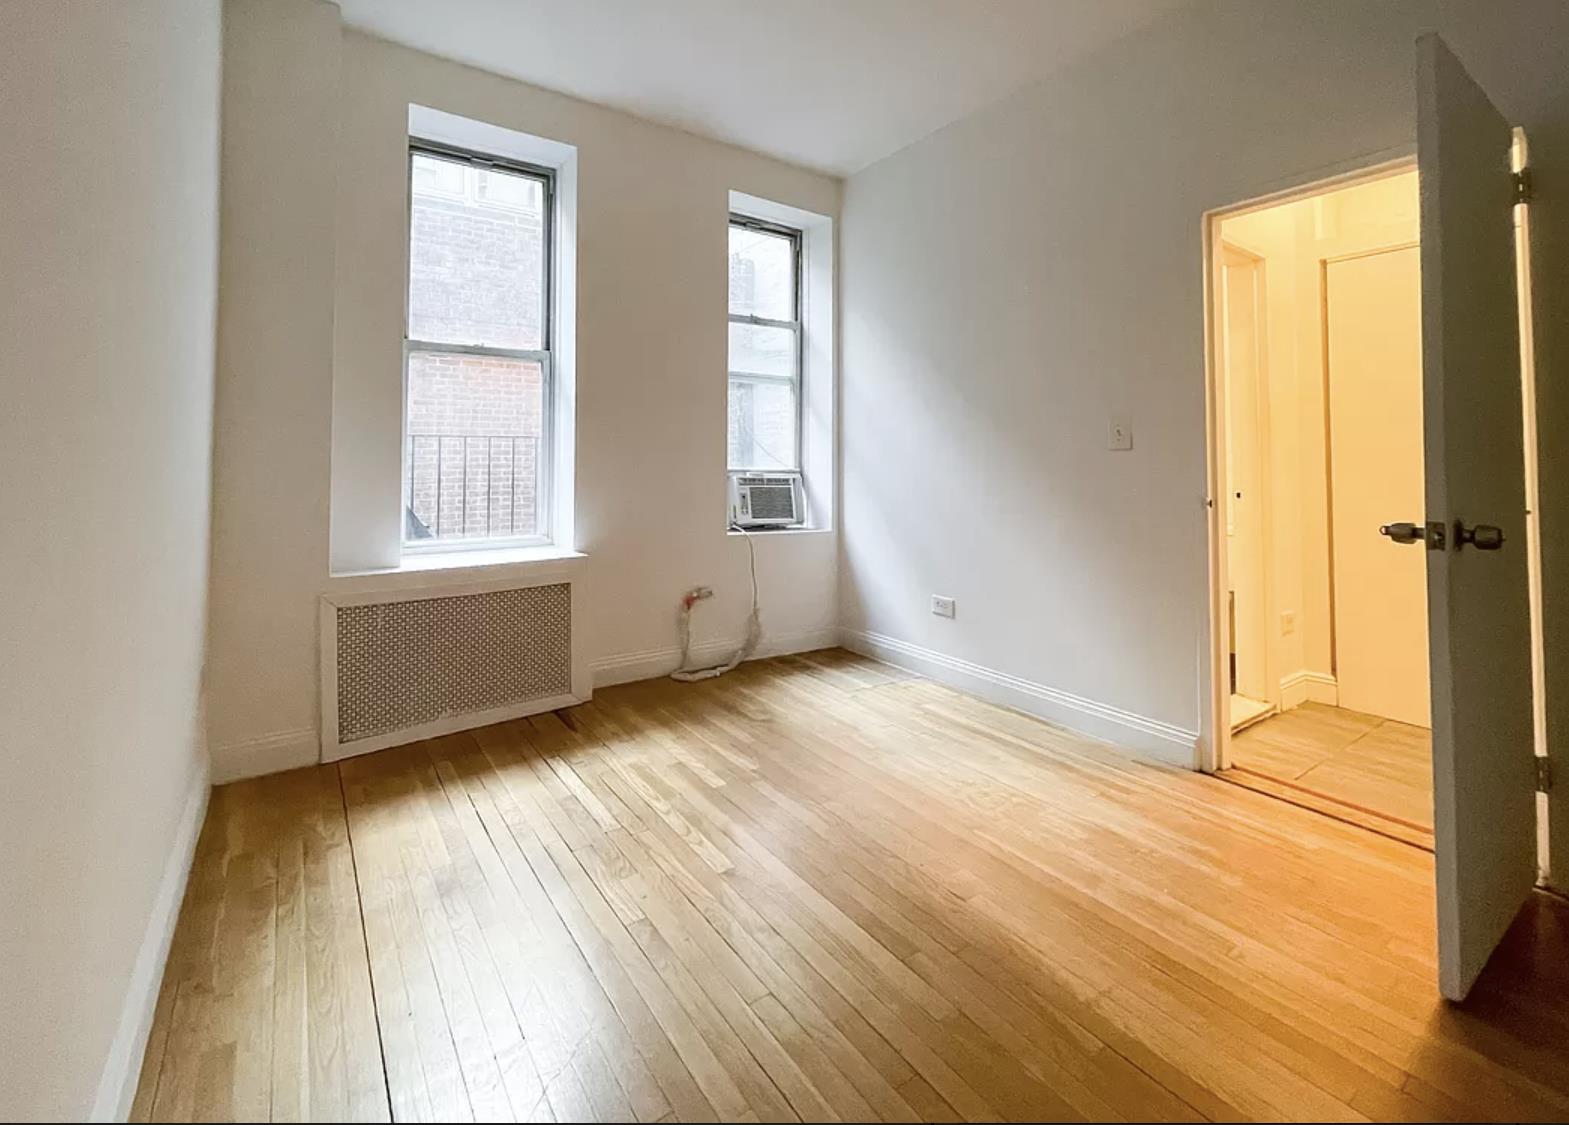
(763, 377)
(546, 450)
(794, 464)
(765, 321)
(545, 454)
(792, 380)
(540, 355)
(547, 181)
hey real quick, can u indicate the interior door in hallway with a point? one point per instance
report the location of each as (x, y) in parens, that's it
(1374, 321)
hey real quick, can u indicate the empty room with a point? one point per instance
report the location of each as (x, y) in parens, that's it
(784, 560)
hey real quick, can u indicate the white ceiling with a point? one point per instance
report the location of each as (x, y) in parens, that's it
(830, 84)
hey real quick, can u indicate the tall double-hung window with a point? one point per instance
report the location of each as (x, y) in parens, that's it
(765, 346)
(477, 440)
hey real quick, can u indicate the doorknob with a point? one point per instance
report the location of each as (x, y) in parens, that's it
(1484, 536)
(1432, 533)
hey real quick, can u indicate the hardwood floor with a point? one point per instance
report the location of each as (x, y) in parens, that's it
(1374, 771)
(821, 888)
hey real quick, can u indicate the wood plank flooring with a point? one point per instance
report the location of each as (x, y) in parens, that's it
(1327, 756)
(819, 888)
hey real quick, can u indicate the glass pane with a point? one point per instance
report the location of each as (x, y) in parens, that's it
(761, 349)
(476, 255)
(438, 177)
(474, 451)
(502, 189)
(762, 274)
(762, 425)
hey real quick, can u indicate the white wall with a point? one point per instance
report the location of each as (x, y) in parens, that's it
(1014, 281)
(108, 243)
(305, 416)
(273, 420)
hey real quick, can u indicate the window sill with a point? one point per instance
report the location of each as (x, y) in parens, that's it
(457, 567)
(471, 559)
(760, 533)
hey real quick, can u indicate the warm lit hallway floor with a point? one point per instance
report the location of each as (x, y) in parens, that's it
(1374, 771)
(1245, 711)
(820, 887)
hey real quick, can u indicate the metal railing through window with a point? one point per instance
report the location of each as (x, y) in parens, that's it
(472, 486)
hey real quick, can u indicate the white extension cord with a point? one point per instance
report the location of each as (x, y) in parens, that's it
(754, 628)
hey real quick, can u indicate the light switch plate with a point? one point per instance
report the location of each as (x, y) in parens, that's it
(1120, 436)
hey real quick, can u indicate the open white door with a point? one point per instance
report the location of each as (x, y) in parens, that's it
(1478, 616)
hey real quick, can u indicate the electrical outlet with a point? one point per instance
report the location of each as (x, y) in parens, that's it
(1288, 622)
(943, 607)
(1120, 436)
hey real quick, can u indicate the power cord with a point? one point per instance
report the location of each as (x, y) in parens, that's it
(754, 628)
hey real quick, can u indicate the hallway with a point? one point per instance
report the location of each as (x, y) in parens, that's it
(1372, 771)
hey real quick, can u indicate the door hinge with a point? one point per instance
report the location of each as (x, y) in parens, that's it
(1544, 775)
(1522, 181)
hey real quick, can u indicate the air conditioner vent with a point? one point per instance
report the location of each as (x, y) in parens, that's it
(773, 502)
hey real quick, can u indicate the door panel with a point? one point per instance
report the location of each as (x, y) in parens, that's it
(1478, 618)
(1242, 342)
(1374, 314)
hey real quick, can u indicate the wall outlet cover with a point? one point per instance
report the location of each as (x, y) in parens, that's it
(943, 607)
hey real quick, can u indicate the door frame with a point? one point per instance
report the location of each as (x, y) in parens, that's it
(1264, 500)
(1214, 742)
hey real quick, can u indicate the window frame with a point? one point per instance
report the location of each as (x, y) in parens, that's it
(797, 379)
(543, 355)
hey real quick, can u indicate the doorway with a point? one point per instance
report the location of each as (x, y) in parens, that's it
(1319, 373)
(1476, 533)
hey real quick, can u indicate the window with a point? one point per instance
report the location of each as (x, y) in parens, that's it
(765, 346)
(477, 352)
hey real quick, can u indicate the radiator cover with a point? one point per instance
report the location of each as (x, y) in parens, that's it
(406, 664)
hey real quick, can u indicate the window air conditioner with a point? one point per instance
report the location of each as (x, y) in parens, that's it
(766, 499)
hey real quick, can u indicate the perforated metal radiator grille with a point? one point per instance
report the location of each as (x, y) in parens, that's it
(401, 664)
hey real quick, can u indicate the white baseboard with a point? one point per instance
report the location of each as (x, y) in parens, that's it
(1308, 687)
(627, 667)
(1148, 738)
(269, 753)
(117, 1085)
